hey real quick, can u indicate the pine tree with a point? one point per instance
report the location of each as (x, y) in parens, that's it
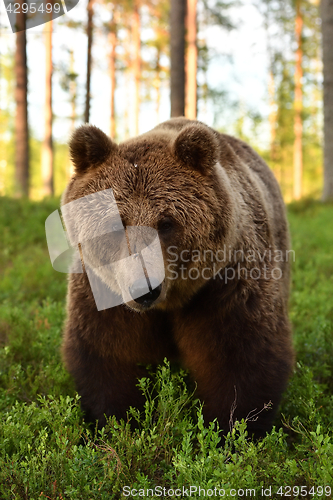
(21, 118)
(177, 57)
(137, 62)
(327, 31)
(298, 106)
(47, 147)
(90, 13)
(112, 68)
(191, 60)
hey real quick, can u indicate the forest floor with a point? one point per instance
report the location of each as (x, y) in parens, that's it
(46, 449)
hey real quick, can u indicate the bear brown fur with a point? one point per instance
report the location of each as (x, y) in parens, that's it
(201, 190)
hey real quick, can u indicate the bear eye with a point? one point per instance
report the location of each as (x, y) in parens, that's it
(165, 225)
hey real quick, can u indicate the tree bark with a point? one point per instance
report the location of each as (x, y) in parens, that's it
(21, 118)
(128, 120)
(191, 60)
(327, 32)
(272, 114)
(271, 88)
(137, 63)
(90, 41)
(112, 69)
(298, 123)
(157, 84)
(72, 93)
(47, 148)
(177, 56)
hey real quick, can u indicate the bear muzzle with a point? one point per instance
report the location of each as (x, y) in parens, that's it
(139, 294)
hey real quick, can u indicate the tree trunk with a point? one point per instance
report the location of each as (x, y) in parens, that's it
(90, 40)
(177, 56)
(157, 84)
(72, 92)
(272, 115)
(47, 148)
(191, 60)
(137, 63)
(327, 31)
(112, 65)
(128, 92)
(271, 88)
(21, 118)
(298, 123)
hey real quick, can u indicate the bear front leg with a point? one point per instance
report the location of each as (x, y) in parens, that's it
(239, 366)
(107, 386)
(102, 349)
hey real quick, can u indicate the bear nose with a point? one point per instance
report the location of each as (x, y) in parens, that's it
(139, 292)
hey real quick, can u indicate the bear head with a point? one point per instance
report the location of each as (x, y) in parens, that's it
(169, 183)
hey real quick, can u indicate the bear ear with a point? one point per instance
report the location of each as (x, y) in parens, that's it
(89, 147)
(197, 146)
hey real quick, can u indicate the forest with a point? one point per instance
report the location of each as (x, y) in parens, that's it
(260, 70)
(127, 45)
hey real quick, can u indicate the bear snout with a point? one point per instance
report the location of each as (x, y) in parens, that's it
(139, 292)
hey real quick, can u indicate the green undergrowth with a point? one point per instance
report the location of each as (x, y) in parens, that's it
(47, 450)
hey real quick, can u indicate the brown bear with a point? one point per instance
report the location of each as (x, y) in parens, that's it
(221, 309)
